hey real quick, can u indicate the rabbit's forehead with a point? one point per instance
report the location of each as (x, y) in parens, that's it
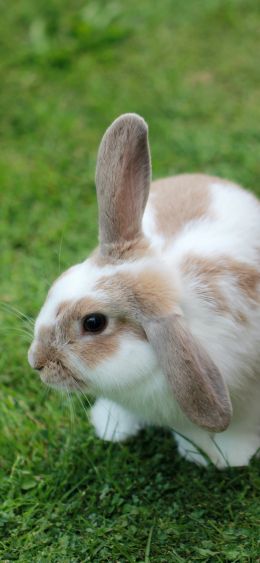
(78, 282)
(74, 284)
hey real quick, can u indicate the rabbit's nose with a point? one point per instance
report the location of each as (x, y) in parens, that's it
(33, 358)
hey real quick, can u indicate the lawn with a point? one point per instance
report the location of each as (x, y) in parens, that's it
(69, 67)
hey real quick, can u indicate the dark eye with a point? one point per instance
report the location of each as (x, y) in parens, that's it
(96, 322)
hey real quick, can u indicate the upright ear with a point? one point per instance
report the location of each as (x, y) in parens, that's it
(123, 179)
(196, 382)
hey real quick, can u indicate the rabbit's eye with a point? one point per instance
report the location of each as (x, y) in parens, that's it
(96, 322)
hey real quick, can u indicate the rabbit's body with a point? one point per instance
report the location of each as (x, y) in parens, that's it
(178, 283)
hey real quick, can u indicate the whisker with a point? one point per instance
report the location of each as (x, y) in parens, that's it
(22, 335)
(78, 395)
(71, 407)
(86, 398)
(17, 329)
(19, 314)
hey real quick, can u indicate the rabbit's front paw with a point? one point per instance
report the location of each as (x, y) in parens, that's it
(189, 451)
(112, 422)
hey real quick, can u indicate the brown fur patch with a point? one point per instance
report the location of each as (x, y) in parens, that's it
(46, 333)
(147, 293)
(83, 307)
(121, 251)
(95, 351)
(248, 278)
(179, 200)
(62, 308)
(43, 351)
(153, 294)
(210, 273)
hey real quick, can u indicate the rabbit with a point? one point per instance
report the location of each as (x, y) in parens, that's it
(161, 324)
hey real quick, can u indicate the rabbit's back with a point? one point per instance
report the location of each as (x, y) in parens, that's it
(205, 214)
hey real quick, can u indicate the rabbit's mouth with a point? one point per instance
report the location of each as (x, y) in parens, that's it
(52, 367)
(58, 376)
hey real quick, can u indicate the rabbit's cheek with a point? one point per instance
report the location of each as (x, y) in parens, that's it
(97, 349)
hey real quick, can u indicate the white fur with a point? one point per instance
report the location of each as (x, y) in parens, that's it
(134, 391)
(149, 226)
(112, 422)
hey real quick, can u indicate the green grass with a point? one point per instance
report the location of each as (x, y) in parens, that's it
(68, 69)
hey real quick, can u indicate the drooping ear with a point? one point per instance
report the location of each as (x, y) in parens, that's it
(196, 382)
(123, 179)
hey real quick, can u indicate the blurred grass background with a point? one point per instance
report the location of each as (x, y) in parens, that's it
(68, 68)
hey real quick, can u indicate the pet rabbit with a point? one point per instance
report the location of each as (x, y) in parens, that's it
(162, 322)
